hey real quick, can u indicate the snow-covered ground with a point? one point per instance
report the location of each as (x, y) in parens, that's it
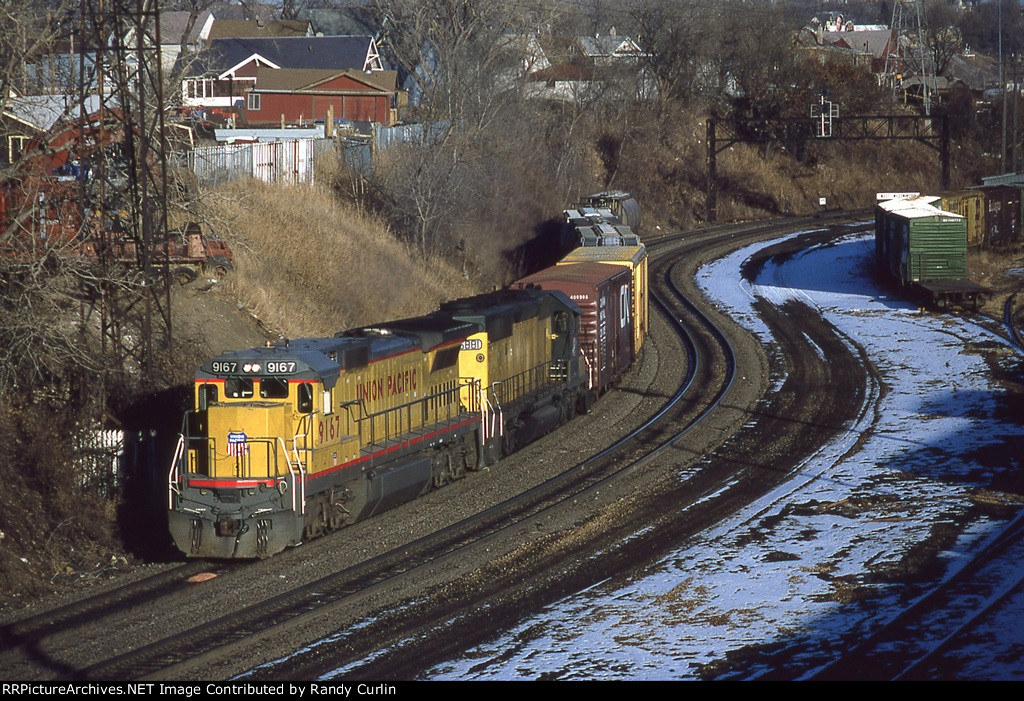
(835, 535)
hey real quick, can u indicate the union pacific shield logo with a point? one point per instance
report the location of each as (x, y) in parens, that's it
(237, 446)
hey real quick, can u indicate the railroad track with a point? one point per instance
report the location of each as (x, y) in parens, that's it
(683, 509)
(914, 644)
(316, 598)
(521, 553)
(25, 634)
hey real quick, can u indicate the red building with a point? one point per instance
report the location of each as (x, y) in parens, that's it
(304, 95)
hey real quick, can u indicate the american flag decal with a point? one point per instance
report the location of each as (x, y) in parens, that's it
(237, 447)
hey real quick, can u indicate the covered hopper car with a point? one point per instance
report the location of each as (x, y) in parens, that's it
(623, 207)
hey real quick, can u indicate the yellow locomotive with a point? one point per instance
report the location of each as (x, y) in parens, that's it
(304, 436)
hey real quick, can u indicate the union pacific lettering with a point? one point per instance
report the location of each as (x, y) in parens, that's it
(371, 390)
(399, 383)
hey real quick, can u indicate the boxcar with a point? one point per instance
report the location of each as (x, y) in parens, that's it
(1002, 214)
(604, 295)
(923, 247)
(635, 259)
(918, 242)
(970, 204)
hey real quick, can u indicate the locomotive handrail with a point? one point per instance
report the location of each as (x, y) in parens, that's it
(307, 421)
(525, 381)
(492, 415)
(500, 411)
(174, 474)
(296, 471)
(401, 415)
(271, 455)
(590, 371)
(299, 490)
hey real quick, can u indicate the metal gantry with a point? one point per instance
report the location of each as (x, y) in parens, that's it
(122, 145)
(906, 56)
(932, 131)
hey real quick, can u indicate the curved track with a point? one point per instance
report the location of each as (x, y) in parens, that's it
(914, 644)
(393, 615)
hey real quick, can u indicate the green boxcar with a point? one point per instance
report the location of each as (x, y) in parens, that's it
(916, 242)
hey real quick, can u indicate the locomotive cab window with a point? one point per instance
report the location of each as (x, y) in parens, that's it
(207, 396)
(238, 387)
(274, 388)
(304, 398)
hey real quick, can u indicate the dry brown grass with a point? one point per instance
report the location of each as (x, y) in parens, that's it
(988, 267)
(307, 265)
(664, 164)
(49, 525)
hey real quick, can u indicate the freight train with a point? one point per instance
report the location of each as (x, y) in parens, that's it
(924, 249)
(302, 437)
(993, 213)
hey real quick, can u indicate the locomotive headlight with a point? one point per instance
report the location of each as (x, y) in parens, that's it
(255, 367)
(252, 492)
(247, 367)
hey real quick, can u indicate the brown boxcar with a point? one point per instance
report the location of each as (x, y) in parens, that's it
(635, 259)
(604, 294)
(1002, 214)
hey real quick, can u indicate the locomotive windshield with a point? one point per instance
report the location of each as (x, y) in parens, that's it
(274, 388)
(244, 387)
(238, 387)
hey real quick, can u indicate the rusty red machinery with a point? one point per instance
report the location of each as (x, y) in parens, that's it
(42, 217)
(50, 208)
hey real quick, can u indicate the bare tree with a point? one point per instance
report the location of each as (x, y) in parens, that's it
(680, 44)
(461, 63)
(453, 52)
(942, 38)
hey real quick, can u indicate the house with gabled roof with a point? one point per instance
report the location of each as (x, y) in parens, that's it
(606, 50)
(224, 73)
(858, 45)
(294, 95)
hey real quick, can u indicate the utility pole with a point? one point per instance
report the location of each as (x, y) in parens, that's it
(1002, 90)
